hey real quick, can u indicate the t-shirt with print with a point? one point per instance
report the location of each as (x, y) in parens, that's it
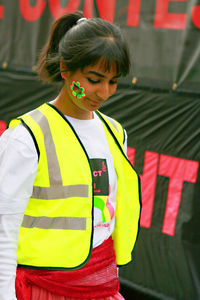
(92, 135)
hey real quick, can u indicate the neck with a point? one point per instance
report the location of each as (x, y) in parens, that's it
(67, 107)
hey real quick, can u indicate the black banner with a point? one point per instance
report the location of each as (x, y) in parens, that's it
(163, 131)
(163, 35)
(158, 104)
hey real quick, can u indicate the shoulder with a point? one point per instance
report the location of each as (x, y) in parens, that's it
(16, 142)
(113, 121)
(114, 125)
(16, 135)
(26, 116)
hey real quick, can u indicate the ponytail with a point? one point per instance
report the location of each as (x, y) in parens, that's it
(49, 60)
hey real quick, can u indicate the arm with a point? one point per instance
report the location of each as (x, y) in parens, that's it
(9, 230)
(18, 169)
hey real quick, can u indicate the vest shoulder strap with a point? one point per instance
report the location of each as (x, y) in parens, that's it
(115, 126)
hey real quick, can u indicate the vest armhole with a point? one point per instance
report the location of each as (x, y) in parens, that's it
(116, 140)
(32, 135)
(124, 135)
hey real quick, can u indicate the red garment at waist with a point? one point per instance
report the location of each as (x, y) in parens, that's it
(97, 279)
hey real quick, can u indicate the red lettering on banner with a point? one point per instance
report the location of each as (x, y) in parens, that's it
(32, 13)
(1, 11)
(57, 10)
(163, 19)
(196, 15)
(148, 187)
(3, 126)
(178, 170)
(88, 8)
(106, 9)
(131, 154)
(133, 13)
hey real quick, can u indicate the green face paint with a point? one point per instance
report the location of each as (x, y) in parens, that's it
(77, 90)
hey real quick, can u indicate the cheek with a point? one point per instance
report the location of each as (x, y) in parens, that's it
(113, 89)
(77, 90)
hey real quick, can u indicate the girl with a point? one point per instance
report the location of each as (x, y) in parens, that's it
(69, 198)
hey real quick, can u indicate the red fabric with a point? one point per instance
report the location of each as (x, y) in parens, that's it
(38, 293)
(97, 279)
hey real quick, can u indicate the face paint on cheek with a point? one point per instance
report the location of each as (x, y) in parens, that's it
(77, 90)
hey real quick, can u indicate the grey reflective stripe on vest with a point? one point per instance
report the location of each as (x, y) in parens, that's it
(64, 223)
(52, 160)
(112, 122)
(60, 192)
(56, 189)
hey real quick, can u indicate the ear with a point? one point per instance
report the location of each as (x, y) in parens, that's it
(63, 69)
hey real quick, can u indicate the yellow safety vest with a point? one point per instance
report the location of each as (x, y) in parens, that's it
(57, 228)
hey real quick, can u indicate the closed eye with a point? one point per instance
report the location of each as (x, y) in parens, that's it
(113, 82)
(93, 81)
(98, 81)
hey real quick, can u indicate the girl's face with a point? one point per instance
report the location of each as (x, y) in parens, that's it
(86, 90)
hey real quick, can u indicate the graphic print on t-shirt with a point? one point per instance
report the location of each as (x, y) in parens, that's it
(101, 189)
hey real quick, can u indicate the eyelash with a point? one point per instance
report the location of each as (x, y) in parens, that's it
(97, 81)
(93, 81)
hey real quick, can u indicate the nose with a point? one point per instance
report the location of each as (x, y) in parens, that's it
(104, 91)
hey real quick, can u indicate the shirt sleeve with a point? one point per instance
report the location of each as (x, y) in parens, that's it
(18, 169)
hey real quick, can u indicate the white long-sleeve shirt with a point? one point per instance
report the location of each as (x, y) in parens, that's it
(18, 169)
(18, 166)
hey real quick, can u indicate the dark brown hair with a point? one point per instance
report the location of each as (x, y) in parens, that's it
(82, 44)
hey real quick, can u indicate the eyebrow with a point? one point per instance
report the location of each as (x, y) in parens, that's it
(101, 75)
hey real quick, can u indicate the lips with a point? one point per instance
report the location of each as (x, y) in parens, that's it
(94, 102)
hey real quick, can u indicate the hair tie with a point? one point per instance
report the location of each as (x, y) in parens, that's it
(80, 20)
